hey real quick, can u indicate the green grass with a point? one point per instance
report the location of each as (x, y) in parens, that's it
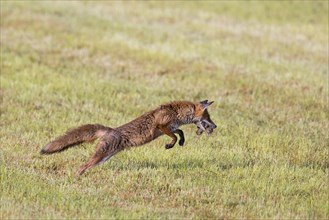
(265, 64)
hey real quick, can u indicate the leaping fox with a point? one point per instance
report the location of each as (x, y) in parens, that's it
(166, 119)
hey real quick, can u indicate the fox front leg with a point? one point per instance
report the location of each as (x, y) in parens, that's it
(181, 136)
(166, 131)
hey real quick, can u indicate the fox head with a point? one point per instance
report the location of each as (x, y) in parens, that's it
(202, 118)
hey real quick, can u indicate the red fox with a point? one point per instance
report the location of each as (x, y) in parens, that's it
(163, 120)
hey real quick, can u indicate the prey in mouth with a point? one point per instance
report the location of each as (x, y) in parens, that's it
(205, 124)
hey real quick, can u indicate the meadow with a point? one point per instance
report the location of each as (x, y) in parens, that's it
(265, 64)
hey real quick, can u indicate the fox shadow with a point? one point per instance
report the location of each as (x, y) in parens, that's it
(179, 165)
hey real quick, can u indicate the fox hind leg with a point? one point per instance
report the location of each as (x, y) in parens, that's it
(105, 149)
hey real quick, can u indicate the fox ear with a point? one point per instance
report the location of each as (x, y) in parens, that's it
(205, 104)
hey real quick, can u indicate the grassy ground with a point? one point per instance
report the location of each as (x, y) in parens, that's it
(265, 64)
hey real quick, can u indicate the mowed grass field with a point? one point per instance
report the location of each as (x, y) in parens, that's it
(265, 64)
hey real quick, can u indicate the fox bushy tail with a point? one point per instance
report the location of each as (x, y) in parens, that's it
(88, 132)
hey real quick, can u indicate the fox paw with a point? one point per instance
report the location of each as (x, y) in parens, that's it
(168, 146)
(181, 142)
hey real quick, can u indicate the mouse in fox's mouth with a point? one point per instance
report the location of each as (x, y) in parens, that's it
(206, 126)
